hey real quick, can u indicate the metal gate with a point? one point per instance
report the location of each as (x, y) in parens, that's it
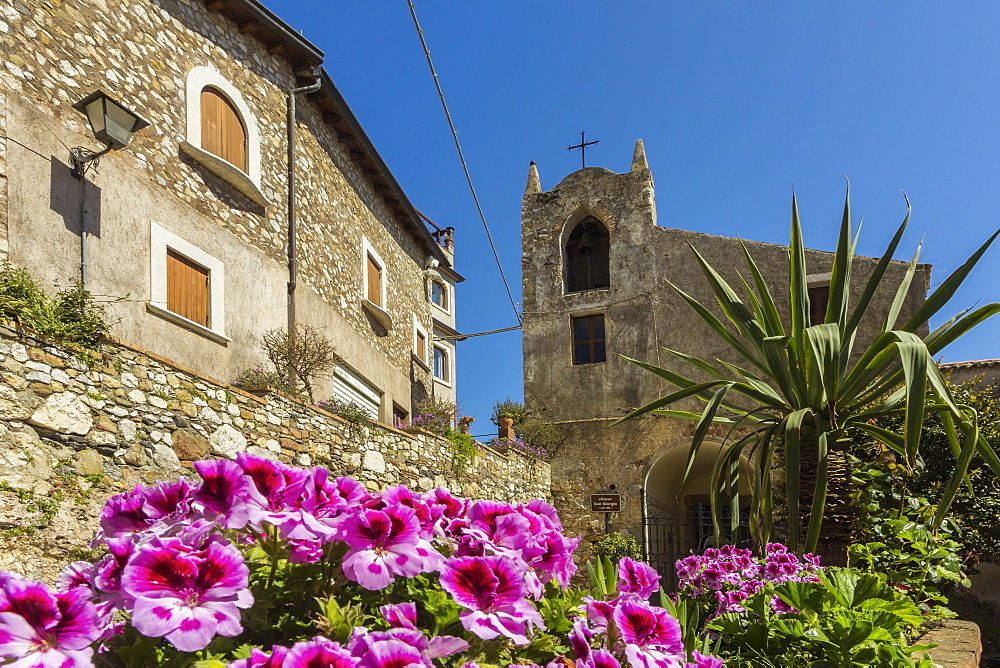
(671, 533)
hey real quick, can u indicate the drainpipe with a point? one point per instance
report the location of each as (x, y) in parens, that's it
(292, 259)
(84, 229)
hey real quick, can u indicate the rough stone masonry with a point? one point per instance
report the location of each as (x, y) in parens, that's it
(70, 436)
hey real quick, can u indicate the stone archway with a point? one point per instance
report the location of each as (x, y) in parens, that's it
(677, 520)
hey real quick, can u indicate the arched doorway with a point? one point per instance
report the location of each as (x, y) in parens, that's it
(677, 521)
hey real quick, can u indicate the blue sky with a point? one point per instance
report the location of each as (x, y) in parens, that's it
(737, 103)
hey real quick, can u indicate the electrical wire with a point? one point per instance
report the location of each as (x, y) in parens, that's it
(462, 337)
(461, 157)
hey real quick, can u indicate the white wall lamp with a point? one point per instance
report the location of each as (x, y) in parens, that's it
(112, 125)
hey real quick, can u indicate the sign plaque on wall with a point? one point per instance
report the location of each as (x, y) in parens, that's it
(605, 503)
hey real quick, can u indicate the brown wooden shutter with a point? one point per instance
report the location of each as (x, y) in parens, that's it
(222, 133)
(187, 288)
(421, 346)
(374, 282)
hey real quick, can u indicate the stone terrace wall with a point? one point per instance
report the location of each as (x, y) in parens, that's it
(72, 436)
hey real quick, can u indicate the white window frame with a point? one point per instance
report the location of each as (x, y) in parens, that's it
(449, 367)
(161, 240)
(247, 182)
(418, 329)
(378, 311)
(447, 294)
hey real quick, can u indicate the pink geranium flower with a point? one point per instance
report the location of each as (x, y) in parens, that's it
(40, 628)
(492, 588)
(637, 578)
(187, 592)
(384, 544)
(319, 653)
(650, 634)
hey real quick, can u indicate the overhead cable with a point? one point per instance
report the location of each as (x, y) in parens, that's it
(461, 156)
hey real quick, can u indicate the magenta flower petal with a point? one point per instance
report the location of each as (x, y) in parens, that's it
(318, 653)
(637, 577)
(224, 491)
(646, 626)
(401, 615)
(441, 646)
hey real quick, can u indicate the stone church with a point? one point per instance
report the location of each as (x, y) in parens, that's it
(595, 265)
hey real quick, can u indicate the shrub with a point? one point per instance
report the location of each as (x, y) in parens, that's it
(509, 408)
(350, 411)
(260, 377)
(436, 416)
(463, 451)
(304, 354)
(518, 444)
(73, 316)
(614, 546)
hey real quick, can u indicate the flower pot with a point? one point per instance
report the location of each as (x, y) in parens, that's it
(506, 422)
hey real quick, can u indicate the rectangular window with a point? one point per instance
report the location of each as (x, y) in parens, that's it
(187, 288)
(819, 297)
(441, 371)
(374, 281)
(588, 339)
(439, 294)
(399, 416)
(420, 346)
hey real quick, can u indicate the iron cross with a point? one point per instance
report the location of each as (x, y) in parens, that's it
(583, 148)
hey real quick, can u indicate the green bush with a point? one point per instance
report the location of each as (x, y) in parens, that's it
(509, 408)
(73, 316)
(848, 618)
(614, 546)
(260, 377)
(436, 416)
(977, 505)
(463, 450)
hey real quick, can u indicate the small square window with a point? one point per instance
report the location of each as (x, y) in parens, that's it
(441, 366)
(188, 288)
(819, 297)
(399, 416)
(588, 339)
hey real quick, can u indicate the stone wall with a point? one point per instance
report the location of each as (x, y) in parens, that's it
(71, 435)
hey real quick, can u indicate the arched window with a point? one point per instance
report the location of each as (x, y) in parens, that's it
(222, 131)
(587, 252)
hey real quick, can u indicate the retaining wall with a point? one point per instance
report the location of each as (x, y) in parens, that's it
(70, 436)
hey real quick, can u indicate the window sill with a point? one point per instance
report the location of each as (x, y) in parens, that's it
(189, 325)
(441, 381)
(422, 363)
(226, 171)
(377, 312)
(441, 308)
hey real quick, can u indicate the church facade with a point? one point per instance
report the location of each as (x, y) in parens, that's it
(595, 265)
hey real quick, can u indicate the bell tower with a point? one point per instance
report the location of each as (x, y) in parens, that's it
(586, 292)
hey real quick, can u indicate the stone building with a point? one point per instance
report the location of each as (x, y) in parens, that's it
(594, 268)
(198, 220)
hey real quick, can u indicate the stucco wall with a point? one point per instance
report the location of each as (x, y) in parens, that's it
(142, 53)
(71, 436)
(643, 315)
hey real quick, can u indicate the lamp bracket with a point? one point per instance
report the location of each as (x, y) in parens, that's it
(84, 159)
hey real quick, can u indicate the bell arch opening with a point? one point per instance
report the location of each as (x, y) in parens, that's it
(586, 256)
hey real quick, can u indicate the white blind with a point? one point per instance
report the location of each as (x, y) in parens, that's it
(350, 387)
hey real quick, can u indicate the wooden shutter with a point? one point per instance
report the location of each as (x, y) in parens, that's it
(421, 346)
(222, 133)
(187, 288)
(374, 282)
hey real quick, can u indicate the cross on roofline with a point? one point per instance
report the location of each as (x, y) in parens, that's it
(583, 148)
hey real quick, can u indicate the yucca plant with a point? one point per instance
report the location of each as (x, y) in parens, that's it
(802, 389)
